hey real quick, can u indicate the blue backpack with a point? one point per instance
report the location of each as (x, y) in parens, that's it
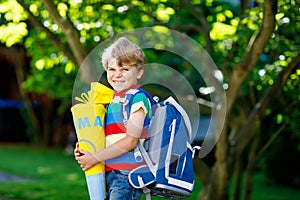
(168, 153)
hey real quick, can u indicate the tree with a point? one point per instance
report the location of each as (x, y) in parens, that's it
(256, 48)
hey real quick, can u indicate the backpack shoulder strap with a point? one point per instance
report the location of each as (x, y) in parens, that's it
(148, 95)
(129, 96)
(184, 115)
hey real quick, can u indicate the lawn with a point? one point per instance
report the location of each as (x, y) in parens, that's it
(55, 175)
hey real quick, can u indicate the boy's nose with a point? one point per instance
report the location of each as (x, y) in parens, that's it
(118, 73)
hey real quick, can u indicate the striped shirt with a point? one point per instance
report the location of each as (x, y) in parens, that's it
(118, 112)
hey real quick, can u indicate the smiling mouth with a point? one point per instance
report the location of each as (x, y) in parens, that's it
(118, 82)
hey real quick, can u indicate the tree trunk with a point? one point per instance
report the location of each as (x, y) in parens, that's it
(46, 103)
(252, 158)
(221, 171)
(17, 56)
(255, 47)
(225, 154)
(238, 178)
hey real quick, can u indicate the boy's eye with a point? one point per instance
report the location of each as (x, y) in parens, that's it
(111, 69)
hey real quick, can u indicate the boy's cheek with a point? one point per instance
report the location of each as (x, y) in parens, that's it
(109, 75)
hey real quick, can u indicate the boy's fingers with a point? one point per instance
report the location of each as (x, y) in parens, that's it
(78, 150)
(81, 151)
(78, 153)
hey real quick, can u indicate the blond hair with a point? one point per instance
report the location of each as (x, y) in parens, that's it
(125, 53)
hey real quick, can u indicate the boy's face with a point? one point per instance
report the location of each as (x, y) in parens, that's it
(122, 77)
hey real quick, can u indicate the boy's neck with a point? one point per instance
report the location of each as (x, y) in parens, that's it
(121, 93)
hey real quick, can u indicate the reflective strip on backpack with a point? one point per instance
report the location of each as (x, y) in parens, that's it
(169, 152)
(182, 184)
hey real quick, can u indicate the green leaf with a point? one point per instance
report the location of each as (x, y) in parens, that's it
(13, 33)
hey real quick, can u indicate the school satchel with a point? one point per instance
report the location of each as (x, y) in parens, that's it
(168, 154)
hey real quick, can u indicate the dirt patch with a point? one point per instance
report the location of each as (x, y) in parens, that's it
(7, 198)
(5, 177)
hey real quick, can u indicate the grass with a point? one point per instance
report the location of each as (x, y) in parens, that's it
(55, 176)
(265, 189)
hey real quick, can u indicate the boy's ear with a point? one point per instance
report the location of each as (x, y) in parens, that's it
(140, 73)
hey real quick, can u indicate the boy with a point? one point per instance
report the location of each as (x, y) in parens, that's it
(124, 63)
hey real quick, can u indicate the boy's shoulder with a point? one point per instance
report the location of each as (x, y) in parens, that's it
(134, 91)
(139, 94)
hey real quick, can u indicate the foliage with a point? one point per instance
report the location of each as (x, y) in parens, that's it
(13, 27)
(226, 31)
(97, 21)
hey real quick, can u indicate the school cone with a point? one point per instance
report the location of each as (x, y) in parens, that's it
(88, 117)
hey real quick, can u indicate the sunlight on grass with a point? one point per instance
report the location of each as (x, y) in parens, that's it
(72, 177)
(44, 170)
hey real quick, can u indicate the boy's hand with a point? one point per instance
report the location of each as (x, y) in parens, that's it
(84, 158)
(77, 151)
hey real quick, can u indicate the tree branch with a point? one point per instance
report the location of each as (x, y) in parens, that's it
(271, 140)
(205, 27)
(269, 96)
(254, 50)
(69, 30)
(51, 36)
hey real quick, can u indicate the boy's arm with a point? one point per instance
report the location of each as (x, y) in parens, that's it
(126, 144)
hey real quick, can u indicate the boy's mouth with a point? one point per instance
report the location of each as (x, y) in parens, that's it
(118, 82)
